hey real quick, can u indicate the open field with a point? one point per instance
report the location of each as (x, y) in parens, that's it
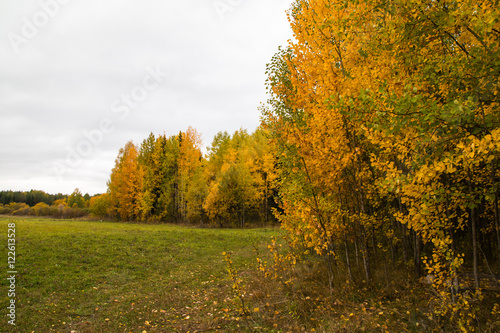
(117, 277)
(87, 277)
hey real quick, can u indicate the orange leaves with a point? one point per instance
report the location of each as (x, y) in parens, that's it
(329, 64)
(387, 110)
(125, 184)
(190, 151)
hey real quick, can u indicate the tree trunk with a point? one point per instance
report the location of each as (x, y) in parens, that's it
(242, 220)
(366, 259)
(474, 239)
(403, 232)
(374, 246)
(474, 248)
(416, 255)
(393, 255)
(497, 227)
(347, 259)
(357, 252)
(266, 207)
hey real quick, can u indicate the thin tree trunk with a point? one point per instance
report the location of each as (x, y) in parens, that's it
(393, 255)
(365, 253)
(328, 259)
(404, 242)
(456, 283)
(333, 253)
(374, 246)
(321, 222)
(474, 240)
(386, 274)
(416, 255)
(358, 189)
(497, 227)
(357, 252)
(403, 232)
(474, 248)
(347, 256)
(454, 286)
(366, 260)
(347, 259)
(266, 204)
(242, 217)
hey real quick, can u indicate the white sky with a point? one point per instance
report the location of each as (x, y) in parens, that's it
(78, 79)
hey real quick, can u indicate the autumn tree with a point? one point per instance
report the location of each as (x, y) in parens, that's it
(76, 200)
(326, 179)
(159, 158)
(98, 205)
(386, 116)
(125, 184)
(196, 194)
(190, 175)
(264, 170)
(241, 174)
(41, 209)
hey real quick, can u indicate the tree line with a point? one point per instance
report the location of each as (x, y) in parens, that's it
(30, 198)
(39, 203)
(169, 179)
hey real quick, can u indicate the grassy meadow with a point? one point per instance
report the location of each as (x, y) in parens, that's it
(80, 276)
(86, 277)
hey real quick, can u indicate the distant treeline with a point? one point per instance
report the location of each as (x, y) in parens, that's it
(39, 203)
(31, 198)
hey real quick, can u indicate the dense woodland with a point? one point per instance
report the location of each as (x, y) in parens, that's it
(385, 116)
(379, 145)
(169, 179)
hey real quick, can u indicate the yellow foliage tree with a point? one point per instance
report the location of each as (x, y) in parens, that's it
(125, 184)
(385, 116)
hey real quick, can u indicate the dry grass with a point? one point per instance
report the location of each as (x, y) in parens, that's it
(91, 277)
(300, 301)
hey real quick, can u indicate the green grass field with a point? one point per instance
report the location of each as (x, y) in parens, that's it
(87, 277)
(116, 277)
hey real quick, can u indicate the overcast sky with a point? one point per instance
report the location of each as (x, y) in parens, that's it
(78, 79)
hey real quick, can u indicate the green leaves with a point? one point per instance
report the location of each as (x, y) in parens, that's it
(242, 175)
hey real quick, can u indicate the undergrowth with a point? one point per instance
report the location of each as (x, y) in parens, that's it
(286, 291)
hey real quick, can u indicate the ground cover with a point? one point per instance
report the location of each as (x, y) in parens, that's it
(93, 276)
(120, 277)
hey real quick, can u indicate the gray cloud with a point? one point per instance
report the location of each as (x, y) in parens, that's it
(83, 56)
